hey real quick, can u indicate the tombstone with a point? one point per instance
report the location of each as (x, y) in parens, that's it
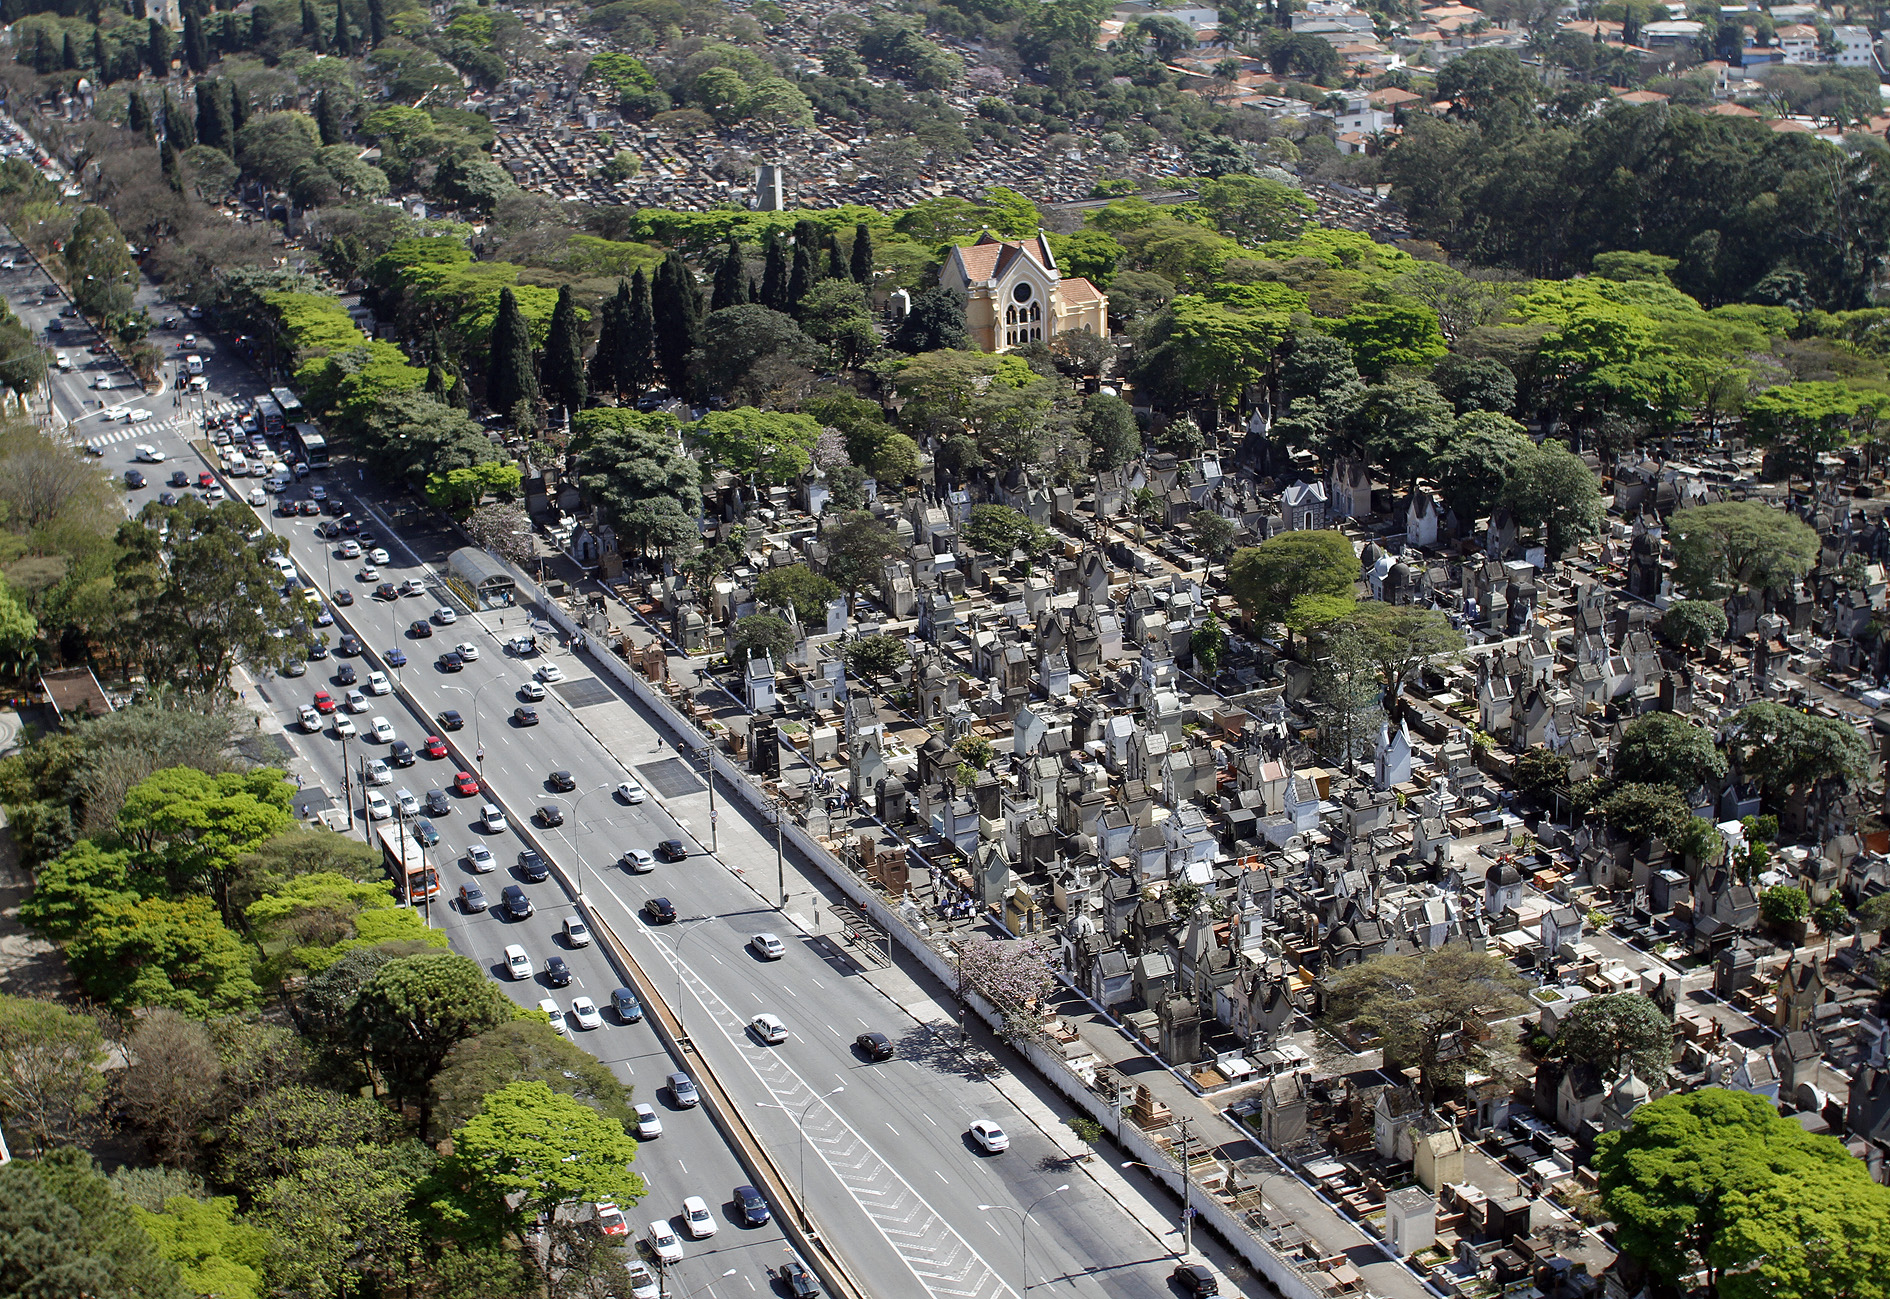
(760, 683)
(892, 801)
(768, 184)
(1410, 1221)
(836, 616)
(1181, 1028)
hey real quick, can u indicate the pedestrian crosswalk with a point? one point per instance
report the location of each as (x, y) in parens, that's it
(94, 428)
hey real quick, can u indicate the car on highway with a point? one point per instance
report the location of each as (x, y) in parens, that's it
(420, 629)
(467, 651)
(309, 509)
(356, 702)
(179, 478)
(311, 720)
(517, 905)
(697, 1220)
(630, 791)
(465, 784)
(533, 867)
(480, 858)
(295, 668)
(665, 1244)
(752, 1206)
(368, 574)
(450, 720)
(378, 808)
(378, 684)
(649, 1124)
(661, 911)
(625, 1003)
(349, 645)
(451, 662)
(989, 1136)
(437, 804)
(561, 781)
(610, 1219)
(638, 861)
(409, 805)
(425, 831)
(344, 725)
(148, 454)
(387, 591)
(584, 1013)
(323, 701)
(345, 675)
(445, 615)
(551, 673)
(523, 716)
(167, 498)
(576, 932)
(557, 973)
(133, 479)
(549, 816)
(343, 596)
(396, 657)
(643, 1282)
(139, 416)
(797, 1280)
(378, 557)
(672, 850)
(400, 753)
(555, 1014)
(472, 898)
(413, 586)
(682, 1090)
(434, 746)
(349, 549)
(874, 1046)
(517, 963)
(383, 730)
(1193, 1279)
(492, 819)
(769, 1029)
(532, 690)
(768, 947)
(377, 772)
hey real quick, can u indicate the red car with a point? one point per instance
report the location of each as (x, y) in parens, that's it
(324, 702)
(435, 747)
(206, 479)
(465, 783)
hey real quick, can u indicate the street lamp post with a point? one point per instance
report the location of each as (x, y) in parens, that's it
(687, 928)
(1187, 1185)
(800, 1126)
(1023, 1226)
(578, 856)
(474, 694)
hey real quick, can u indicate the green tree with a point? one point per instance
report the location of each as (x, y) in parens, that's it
(267, 1138)
(1618, 1033)
(636, 364)
(527, 1151)
(763, 446)
(997, 400)
(1003, 531)
(341, 1221)
(1691, 624)
(858, 546)
(621, 457)
(613, 318)
(1208, 643)
(676, 320)
(417, 1009)
(65, 1231)
(162, 952)
(1475, 383)
(737, 340)
(1398, 639)
(976, 751)
(935, 322)
(1266, 579)
(876, 657)
(1806, 420)
(511, 377)
(1641, 812)
(525, 1048)
(563, 362)
(1109, 424)
(99, 266)
(215, 1251)
(1384, 334)
(1732, 546)
(834, 314)
(1786, 750)
(760, 633)
(1213, 534)
(51, 1073)
(1255, 209)
(1662, 748)
(1418, 1003)
(1553, 490)
(1784, 904)
(191, 828)
(799, 587)
(1478, 459)
(1540, 772)
(731, 279)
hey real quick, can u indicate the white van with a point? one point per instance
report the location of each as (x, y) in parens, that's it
(239, 466)
(194, 364)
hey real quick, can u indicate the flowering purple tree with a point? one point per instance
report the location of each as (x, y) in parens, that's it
(830, 449)
(1014, 974)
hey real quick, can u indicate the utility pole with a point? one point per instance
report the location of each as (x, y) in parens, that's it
(1187, 1185)
(780, 871)
(708, 757)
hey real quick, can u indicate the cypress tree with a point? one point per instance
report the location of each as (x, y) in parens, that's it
(564, 355)
(328, 119)
(167, 160)
(239, 111)
(836, 267)
(676, 309)
(774, 275)
(261, 27)
(801, 280)
(160, 48)
(137, 116)
(42, 54)
(862, 261)
(509, 377)
(731, 279)
(754, 290)
(436, 382)
(460, 398)
(613, 317)
(138, 9)
(101, 60)
(177, 127)
(806, 234)
(69, 54)
(213, 116)
(341, 29)
(634, 369)
(196, 49)
(376, 22)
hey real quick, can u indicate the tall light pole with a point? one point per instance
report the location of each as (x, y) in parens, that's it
(1187, 1185)
(800, 1125)
(474, 694)
(685, 929)
(1023, 1226)
(575, 804)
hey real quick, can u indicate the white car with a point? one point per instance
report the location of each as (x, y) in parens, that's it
(551, 672)
(639, 861)
(989, 1135)
(584, 1013)
(377, 556)
(378, 808)
(199, 384)
(311, 720)
(409, 805)
(649, 1123)
(769, 1028)
(556, 1016)
(103, 382)
(492, 818)
(532, 691)
(643, 1282)
(768, 947)
(350, 549)
(61, 360)
(148, 454)
(257, 496)
(445, 616)
(383, 730)
(377, 773)
(344, 725)
(378, 684)
(215, 492)
(517, 963)
(139, 416)
(576, 933)
(479, 857)
(630, 791)
(468, 652)
(357, 702)
(665, 1244)
(697, 1219)
(369, 573)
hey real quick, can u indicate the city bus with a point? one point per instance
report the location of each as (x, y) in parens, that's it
(406, 862)
(291, 405)
(309, 446)
(269, 415)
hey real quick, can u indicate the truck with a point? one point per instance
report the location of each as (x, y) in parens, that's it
(406, 862)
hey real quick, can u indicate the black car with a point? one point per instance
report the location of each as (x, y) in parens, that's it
(167, 498)
(350, 645)
(1194, 1279)
(420, 629)
(671, 850)
(310, 507)
(133, 478)
(180, 479)
(424, 831)
(561, 780)
(550, 815)
(327, 530)
(343, 596)
(532, 866)
(557, 973)
(452, 662)
(525, 716)
(797, 1280)
(751, 1205)
(345, 677)
(661, 911)
(317, 651)
(517, 905)
(387, 591)
(874, 1046)
(350, 526)
(450, 720)
(472, 898)
(400, 754)
(437, 804)
(396, 657)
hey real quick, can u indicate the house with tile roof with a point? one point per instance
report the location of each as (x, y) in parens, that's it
(1015, 294)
